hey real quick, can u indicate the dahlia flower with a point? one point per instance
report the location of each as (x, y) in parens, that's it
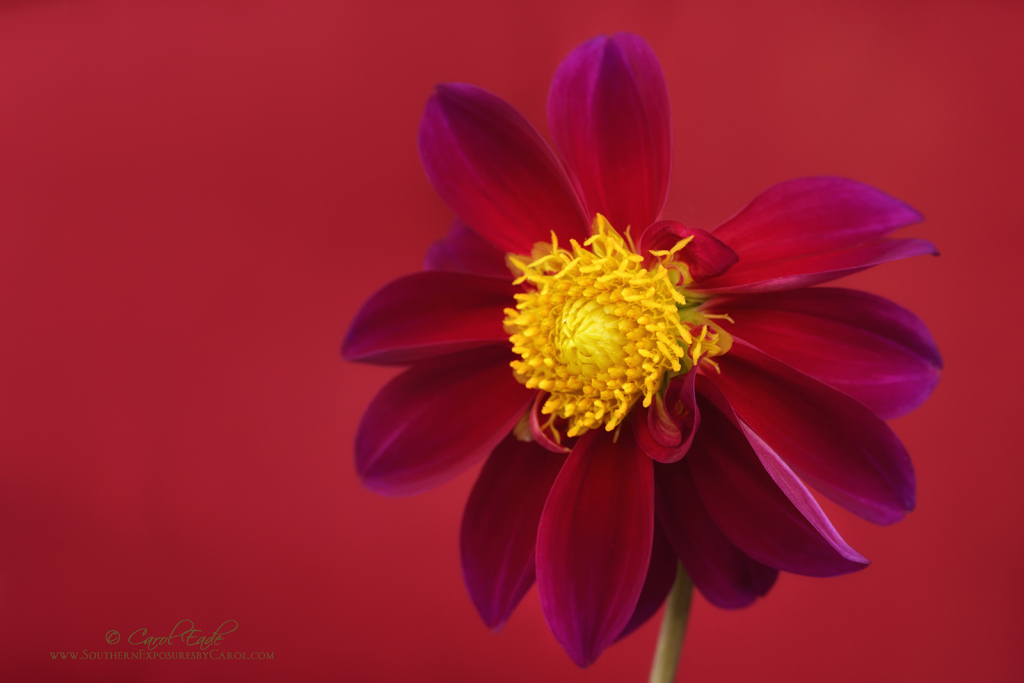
(647, 395)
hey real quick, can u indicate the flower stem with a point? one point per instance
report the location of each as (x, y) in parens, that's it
(673, 628)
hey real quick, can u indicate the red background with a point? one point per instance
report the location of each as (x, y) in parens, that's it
(194, 200)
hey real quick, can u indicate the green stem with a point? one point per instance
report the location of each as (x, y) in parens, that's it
(673, 628)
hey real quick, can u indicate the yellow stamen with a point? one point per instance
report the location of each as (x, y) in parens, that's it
(599, 331)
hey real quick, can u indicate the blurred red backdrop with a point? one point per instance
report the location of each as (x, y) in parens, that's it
(196, 197)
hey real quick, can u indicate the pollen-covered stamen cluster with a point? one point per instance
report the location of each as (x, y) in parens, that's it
(598, 330)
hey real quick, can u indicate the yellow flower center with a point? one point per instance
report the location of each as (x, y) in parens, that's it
(597, 330)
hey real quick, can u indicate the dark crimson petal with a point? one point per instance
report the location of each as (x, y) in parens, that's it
(464, 251)
(661, 574)
(609, 115)
(495, 171)
(810, 230)
(437, 419)
(499, 526)
(852, 307)
(766, 513)
(429, 314)
(724, 574)
(863, 345)
(665, 430)
(594, 542)
(832, 441)
(817, 268)
(812, 215)
(705, 256)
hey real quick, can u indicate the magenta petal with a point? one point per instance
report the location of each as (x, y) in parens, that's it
(863, 345)
(812, 215)
(814, 269)
(810, 230)
(832, 441)
(609, 115)
(499, 526)
(661, 574)
(594, 542)
(495, 171)
(429, 314)
(724, 574)
(665, 430)
(437, 419)
(462, 250)
(757, 501)
(705, 256)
